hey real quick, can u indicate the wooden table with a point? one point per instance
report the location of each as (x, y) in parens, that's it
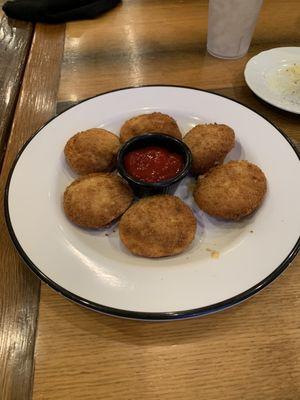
(53, 349)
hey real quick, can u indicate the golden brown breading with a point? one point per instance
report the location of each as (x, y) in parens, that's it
(158, 226)
(155, 122)
(209, 145)
(95, 200)
(231, 191)
(94, 150)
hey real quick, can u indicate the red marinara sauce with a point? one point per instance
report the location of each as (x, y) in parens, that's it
(153, 164)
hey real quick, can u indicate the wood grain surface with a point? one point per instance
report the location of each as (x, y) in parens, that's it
(19, 289)
(149, 42)
(15, 40)
(250, 352)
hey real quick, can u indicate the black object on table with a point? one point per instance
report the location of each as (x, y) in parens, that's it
(56, 11)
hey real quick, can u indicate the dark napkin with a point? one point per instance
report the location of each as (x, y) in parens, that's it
(56, 11)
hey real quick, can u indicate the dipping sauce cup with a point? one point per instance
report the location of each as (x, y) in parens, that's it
(150, 141)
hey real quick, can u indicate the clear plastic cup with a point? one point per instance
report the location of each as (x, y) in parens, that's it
(231, 24)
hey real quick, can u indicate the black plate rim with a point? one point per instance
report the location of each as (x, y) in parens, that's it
(138, 315)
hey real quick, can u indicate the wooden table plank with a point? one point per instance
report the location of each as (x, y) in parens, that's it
(147, 42)
(19, 289)
(249, 352)
(15, 41)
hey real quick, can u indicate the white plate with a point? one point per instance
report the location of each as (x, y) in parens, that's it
(274, 75)
(95, 270)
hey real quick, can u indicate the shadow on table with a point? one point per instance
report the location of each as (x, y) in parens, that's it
(224, 325)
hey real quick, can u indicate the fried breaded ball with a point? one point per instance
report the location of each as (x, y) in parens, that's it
(231, 191)
(158, 226)
(209, 145)
(95, 200)
(154, 122)
(94, 150)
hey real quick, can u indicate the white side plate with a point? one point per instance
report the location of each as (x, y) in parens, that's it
(274, 76)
